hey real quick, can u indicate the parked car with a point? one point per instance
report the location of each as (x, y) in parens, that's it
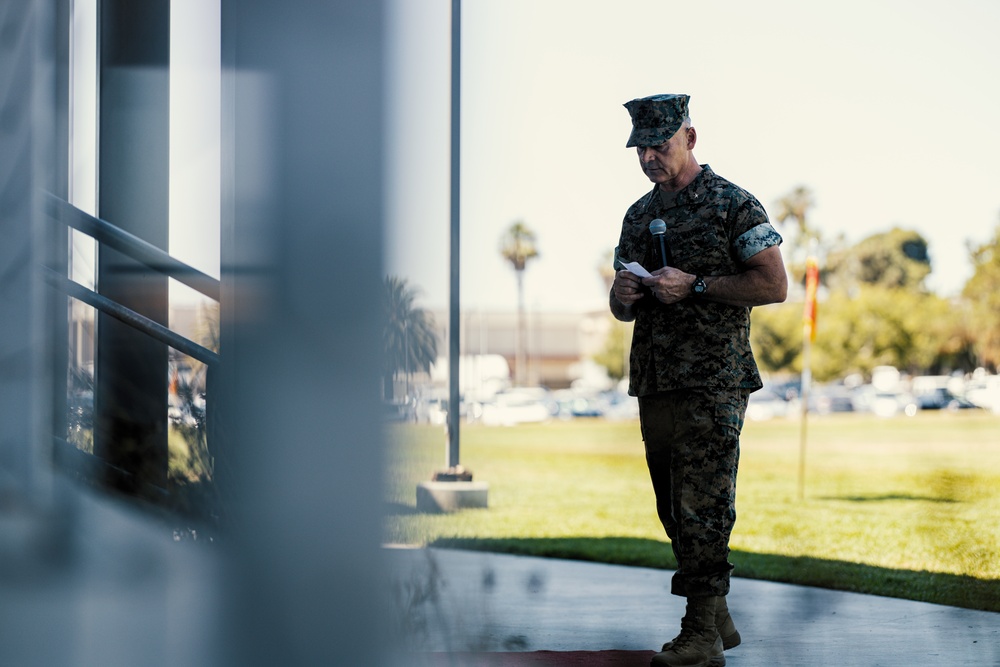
(581, 406)
(392, 411)
(516, 407)
(885, 403)
(985, 392)
(621, 406)
(765, 404)
(431, 410)
(942, 399)
(890, 404)
(827, 400)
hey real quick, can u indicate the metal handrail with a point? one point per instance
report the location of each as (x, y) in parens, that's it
(154, 258)
(131, 318)
(147, 253)
(108, 234)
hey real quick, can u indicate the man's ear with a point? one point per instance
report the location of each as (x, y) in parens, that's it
(692, 138)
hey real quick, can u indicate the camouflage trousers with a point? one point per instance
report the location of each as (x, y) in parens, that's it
(692, 439)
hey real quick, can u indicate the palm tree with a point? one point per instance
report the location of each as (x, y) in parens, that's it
(518, 246)
(408, 337)
(795, 207)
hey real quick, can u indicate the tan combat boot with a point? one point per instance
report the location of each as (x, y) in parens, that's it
(699, 643)
(724, 622)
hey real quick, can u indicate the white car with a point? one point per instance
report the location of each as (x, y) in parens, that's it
(889, 404)
(764, 404)
(515, 407)
(985, 392)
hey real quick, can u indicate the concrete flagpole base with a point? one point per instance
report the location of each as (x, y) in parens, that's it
(439, 496)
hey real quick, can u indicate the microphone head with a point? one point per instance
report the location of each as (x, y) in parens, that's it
(657, 227)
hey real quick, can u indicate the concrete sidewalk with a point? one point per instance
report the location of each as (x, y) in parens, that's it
(460, 601)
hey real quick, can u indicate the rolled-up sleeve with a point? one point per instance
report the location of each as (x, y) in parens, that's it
(756, 239)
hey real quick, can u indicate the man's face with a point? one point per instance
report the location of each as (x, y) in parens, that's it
(663, 164)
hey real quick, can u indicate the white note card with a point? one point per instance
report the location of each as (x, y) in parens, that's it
(636, 268)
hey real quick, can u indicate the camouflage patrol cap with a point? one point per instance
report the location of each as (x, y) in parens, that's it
(656, 118)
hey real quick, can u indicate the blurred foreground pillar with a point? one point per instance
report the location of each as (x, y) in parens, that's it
(300, 457)
(130, 429)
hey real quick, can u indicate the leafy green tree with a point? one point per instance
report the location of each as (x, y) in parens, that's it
(957, 339)
(614, 355)
(877, 310)
(776, 337)
(880, 326)
(517, 246)
(897, 258)
(875, 313)
(880, 312)
(408, 338)
(982, 293)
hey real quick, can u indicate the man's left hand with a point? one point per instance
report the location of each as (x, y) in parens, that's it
(669, 285)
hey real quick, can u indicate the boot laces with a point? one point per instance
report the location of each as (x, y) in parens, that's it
(687, 636)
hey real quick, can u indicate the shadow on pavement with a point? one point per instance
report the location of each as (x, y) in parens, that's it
(935, 587)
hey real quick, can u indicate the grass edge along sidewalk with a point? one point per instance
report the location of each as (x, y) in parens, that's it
(896, 507)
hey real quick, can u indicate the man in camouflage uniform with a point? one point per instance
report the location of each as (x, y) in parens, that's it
(691, 364)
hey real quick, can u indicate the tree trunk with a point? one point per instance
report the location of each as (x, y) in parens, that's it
(520, 336)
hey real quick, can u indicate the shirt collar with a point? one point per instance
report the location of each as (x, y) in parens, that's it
(695, 192)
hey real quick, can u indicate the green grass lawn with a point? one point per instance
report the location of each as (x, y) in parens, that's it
(906, 507)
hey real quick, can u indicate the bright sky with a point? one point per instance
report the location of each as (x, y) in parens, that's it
(886, 109)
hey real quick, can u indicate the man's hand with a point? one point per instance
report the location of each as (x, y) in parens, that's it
(627, 288)
(762, 280)
(669, 285)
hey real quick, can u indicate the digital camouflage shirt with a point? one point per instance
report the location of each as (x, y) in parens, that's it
(713, 226)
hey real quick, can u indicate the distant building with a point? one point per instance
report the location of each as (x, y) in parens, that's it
(556, 342)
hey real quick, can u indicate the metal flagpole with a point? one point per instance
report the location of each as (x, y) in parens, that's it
(453, 322)
(453, 489)
(804, 398)
(808, 336)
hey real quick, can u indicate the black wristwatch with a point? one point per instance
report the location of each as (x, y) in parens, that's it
(698, 287)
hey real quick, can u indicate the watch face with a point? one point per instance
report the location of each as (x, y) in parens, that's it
(699, 286)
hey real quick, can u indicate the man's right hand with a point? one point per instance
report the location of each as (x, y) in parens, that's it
(627, 287)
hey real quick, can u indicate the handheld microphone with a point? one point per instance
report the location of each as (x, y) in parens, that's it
(658, 229)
